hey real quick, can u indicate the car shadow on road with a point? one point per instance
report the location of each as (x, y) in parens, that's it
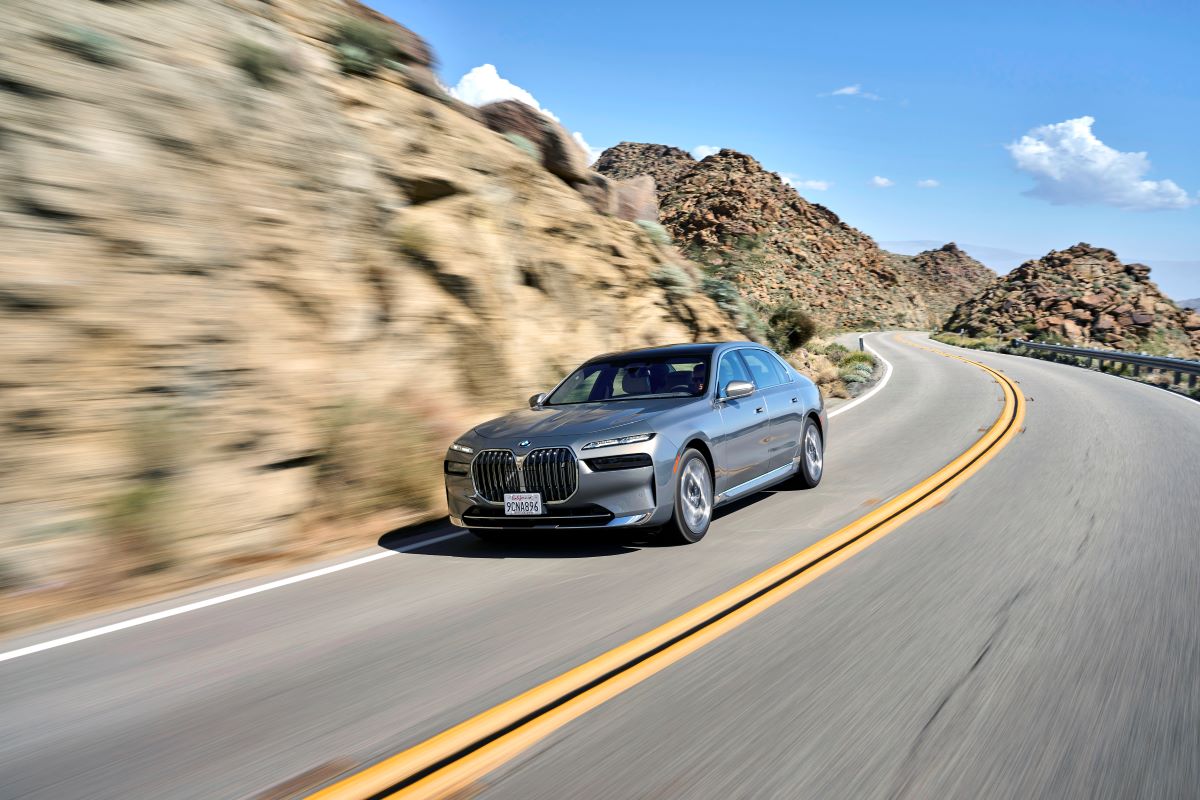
(546, 545)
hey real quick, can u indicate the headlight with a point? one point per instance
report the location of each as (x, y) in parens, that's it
(639, 437)
(462, 448)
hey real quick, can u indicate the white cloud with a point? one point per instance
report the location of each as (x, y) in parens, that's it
(704, 151)
(928, 183)
(854, 90)
(882, 183)
(592, 152)
(1070, 166)
(484, 84)
(811, 185)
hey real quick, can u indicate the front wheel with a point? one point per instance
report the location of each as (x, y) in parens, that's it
(693, 501)
(812, 456)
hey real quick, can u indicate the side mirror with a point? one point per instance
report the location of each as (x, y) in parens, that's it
(537, 399)
(736, 389)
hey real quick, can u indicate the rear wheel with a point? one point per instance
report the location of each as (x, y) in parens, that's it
(693, 501)
(812, 456)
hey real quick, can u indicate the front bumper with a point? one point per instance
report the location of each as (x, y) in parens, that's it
(610, 498)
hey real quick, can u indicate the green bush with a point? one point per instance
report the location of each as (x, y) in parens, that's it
(523, 144)
(362, 46)
(674, 280)
(89, 44)
(789, 328)
(262, 63)
(835, 352)
(656, 232)
(858, 357)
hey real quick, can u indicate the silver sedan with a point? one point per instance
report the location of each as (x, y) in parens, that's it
(654, 438)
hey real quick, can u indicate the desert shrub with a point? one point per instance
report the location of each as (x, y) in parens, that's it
(724, 293)
(674, 280)
(835, 352)
(378, 457)
(727, 297)
(855, 373)
(857, 357)
(655, 231)
(363, 46)
(262, 63)
(89, 44)
(789, 327)
(522, 143)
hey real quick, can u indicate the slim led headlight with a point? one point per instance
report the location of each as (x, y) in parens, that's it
(638, 437)
(462, 448)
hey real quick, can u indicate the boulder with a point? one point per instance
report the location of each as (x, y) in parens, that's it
(561, 155)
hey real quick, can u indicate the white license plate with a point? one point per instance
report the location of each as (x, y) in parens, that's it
(522, 505)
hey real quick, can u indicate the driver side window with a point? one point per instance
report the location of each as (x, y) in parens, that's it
(732, 368)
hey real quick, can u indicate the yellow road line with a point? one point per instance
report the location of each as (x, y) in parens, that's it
(462, 754)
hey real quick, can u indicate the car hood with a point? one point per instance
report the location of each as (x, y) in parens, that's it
(575, 420)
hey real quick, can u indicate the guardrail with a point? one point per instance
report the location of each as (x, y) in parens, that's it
(1178, 367)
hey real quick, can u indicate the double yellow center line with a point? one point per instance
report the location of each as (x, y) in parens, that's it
(461, 755)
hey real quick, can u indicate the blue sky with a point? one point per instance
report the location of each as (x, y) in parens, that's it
(945, 92)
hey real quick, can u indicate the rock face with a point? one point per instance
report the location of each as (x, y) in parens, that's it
(944, 278)
(749, 227)
(559, 153)
(248, 296)
(1082, 295)
(663, 163)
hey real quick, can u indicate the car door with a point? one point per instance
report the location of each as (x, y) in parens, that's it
(745, 427)
(786, 406)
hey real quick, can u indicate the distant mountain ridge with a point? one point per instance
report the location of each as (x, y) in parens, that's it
(748, 227)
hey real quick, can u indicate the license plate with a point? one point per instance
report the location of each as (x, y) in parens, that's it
(522, 505)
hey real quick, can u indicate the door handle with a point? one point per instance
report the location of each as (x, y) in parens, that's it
(759, 410)
(795, 399)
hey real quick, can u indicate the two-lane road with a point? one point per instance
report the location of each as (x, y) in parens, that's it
(1035, 635)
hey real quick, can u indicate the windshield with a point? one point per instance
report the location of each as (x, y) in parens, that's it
(634, 378)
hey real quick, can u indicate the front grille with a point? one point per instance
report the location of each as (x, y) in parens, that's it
(495, 472)
(551, 471)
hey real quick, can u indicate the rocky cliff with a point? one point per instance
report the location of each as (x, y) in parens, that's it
(749, 227)
(943, 277)
(1082, 295)
(258, 269)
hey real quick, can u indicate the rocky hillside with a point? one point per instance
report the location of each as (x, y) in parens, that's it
(1082, 295)
(258, 269)
(750, 228)
(943, 277)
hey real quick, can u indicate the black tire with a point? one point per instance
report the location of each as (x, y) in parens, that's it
(810, 472)
(693, 501)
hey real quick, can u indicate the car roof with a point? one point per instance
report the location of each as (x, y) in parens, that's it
(686, 349)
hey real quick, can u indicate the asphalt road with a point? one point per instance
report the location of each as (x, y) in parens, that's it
(1036, 635)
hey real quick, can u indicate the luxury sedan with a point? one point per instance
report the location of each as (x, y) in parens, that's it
(654, 438)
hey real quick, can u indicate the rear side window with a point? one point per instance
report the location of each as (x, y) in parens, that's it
(765, 369)
(732, 369)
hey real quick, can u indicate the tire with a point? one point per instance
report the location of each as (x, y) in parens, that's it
(812, 456)
(693, 501)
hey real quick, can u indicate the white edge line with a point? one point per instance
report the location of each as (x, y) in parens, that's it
(214, 601)
(887, 374)
(316, 573)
